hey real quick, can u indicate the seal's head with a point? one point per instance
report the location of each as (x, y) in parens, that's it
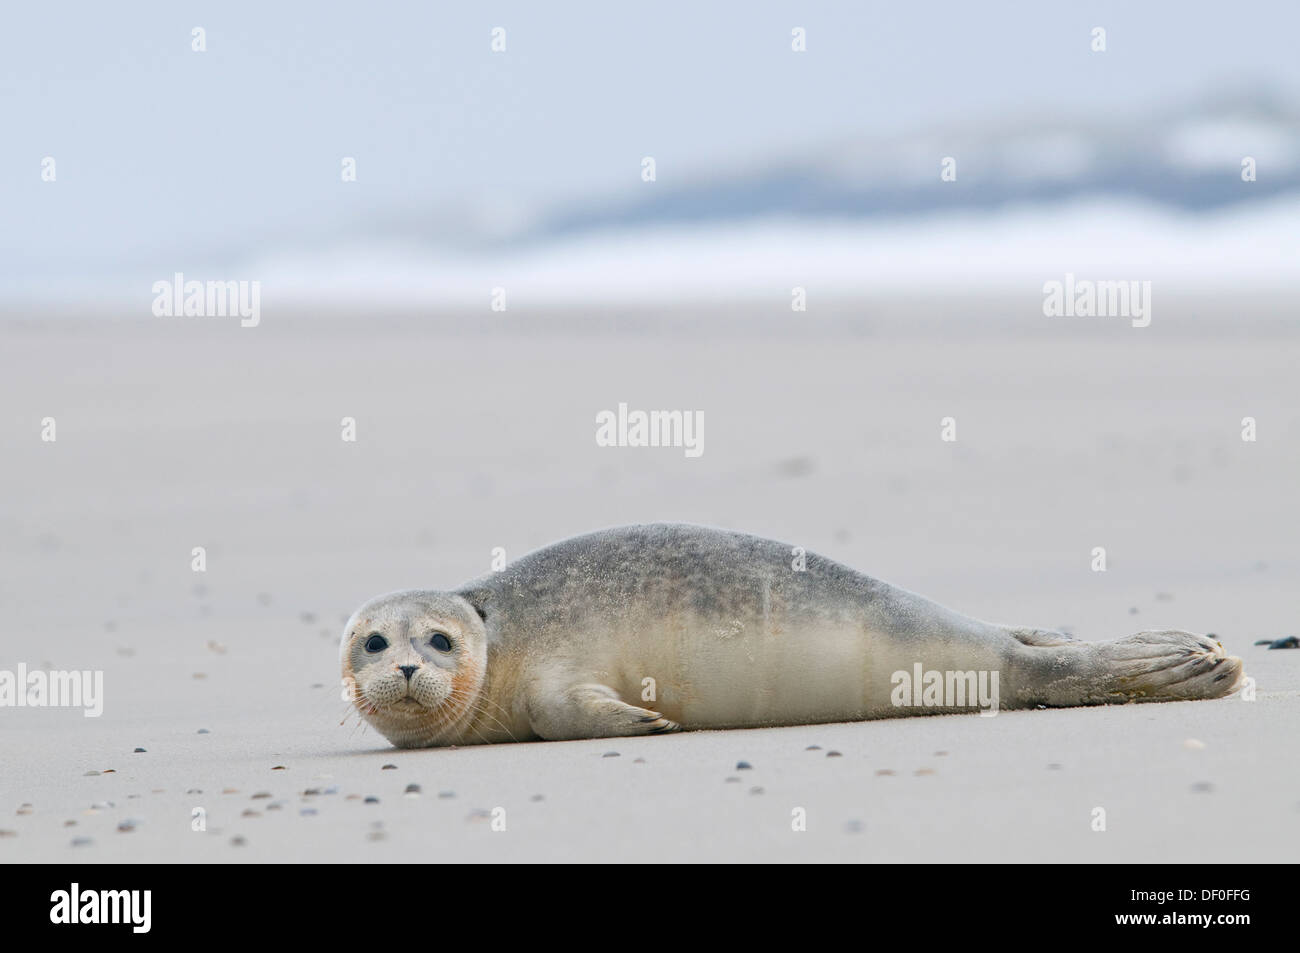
(413, 664)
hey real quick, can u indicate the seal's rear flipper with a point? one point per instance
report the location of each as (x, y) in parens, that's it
(1148, 666)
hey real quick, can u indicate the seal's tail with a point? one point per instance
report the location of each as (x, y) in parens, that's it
(1149, 666)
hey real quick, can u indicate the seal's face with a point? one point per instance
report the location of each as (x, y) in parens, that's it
(413, 663)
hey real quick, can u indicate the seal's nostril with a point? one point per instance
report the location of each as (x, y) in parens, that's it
(407, 670)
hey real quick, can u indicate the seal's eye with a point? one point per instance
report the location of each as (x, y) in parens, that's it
(440, 642)
(376, 643)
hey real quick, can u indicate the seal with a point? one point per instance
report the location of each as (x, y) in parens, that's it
(649, 629)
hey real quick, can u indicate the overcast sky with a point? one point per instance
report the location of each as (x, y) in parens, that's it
(161, 149)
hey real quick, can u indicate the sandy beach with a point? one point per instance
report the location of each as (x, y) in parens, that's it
(476, 430)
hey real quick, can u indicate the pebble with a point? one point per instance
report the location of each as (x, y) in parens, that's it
(755, 790)
(884, 772)
(4, 833)
(941, 754)
(249, 812)
(275, 806)
(920, 771)
(82, 842)
(744, 766)
(230, 790)
(446, 794)
(139, 751)
(128, 825)
(216, 647)
(638, 760)
(310, 791)
(204, 731)
(372, 800)
(279, 767)
(389, 767)
(237, 842)
(733, 780)
(610, 754)
(24, 809)
(307, 811)
(412, 790)
(813, 748)
(1193, 744)
(194, 791)
(261, 794)
(834, 754)
(1288, 642)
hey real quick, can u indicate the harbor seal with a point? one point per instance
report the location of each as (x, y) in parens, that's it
(649, 629)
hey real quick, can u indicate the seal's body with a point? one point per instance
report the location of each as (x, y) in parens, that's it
(648, 629)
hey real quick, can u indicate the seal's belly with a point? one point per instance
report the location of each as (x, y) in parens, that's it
(707, 672)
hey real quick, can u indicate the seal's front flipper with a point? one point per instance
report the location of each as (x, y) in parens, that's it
(591, 711)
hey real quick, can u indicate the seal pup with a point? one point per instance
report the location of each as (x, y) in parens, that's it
(648, 629)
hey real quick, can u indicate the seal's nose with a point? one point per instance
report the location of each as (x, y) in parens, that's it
(407, 670)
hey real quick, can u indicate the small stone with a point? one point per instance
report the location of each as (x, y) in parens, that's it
(813, 748)
(24, 809)
(260, 795)
(139, 751)
(352, 797)
(744, 766)
(127, 825)
(279, 767)
(204, 731)
(1194, 744)
(412, 790)
(333, 790)
(237, 842)
(275, 806)
(249, 812)
(309, 792)
(834, 754)
(885, 772)
(230, 790)
(922, 771)
(389, 767)
(610, 754)
(372, 800)
(941, 754)
(110, 771)
(755, 790)
(82, 842)
(216, 647)
(69, 823)
(1288, 642)
(733, 780)
(4, 833)
(638, 760)
(194, 791)
(307, 811)
(199, 675)
(444, 795)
